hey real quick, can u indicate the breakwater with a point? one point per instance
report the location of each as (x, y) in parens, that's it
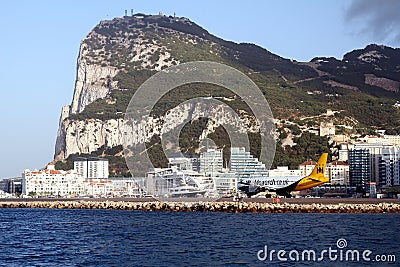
(232, 207)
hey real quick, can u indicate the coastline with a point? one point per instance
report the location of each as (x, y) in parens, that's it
(220, 205)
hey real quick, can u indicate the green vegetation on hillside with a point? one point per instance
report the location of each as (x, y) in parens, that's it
(308, 147)
(189, 136)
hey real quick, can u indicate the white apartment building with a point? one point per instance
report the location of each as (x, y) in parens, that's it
(338, 173)
(91, 167)
(123, 186)
(211, 161)
(51, 182)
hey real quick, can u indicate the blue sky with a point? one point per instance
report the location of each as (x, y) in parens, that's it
(39, 44)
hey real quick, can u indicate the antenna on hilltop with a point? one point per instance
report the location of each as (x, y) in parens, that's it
(126, 12)
(174, 14)
(132, 12)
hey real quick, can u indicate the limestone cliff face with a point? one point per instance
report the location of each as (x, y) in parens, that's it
(93, 81)
(85, 136)
(60, 141)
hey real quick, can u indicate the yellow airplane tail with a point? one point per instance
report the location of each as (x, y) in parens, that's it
(318, 172)
(317, 176)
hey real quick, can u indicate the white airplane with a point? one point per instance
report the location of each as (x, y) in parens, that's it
(286, 184)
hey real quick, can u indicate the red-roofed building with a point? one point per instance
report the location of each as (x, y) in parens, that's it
(51, 182)
(98, 187)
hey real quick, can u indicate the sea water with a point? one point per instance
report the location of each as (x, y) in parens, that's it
(51, 237)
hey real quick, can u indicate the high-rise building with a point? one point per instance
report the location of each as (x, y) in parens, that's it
(390, 166)
(245, 165)
(360, 167)
(91, 167)
(375, 151)
(375, 147)
(211, 161)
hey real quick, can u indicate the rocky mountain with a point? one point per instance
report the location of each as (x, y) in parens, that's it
(118, 55)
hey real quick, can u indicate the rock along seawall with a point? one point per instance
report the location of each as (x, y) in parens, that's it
(232, 207)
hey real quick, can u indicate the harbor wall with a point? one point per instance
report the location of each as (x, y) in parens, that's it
(231, 207)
